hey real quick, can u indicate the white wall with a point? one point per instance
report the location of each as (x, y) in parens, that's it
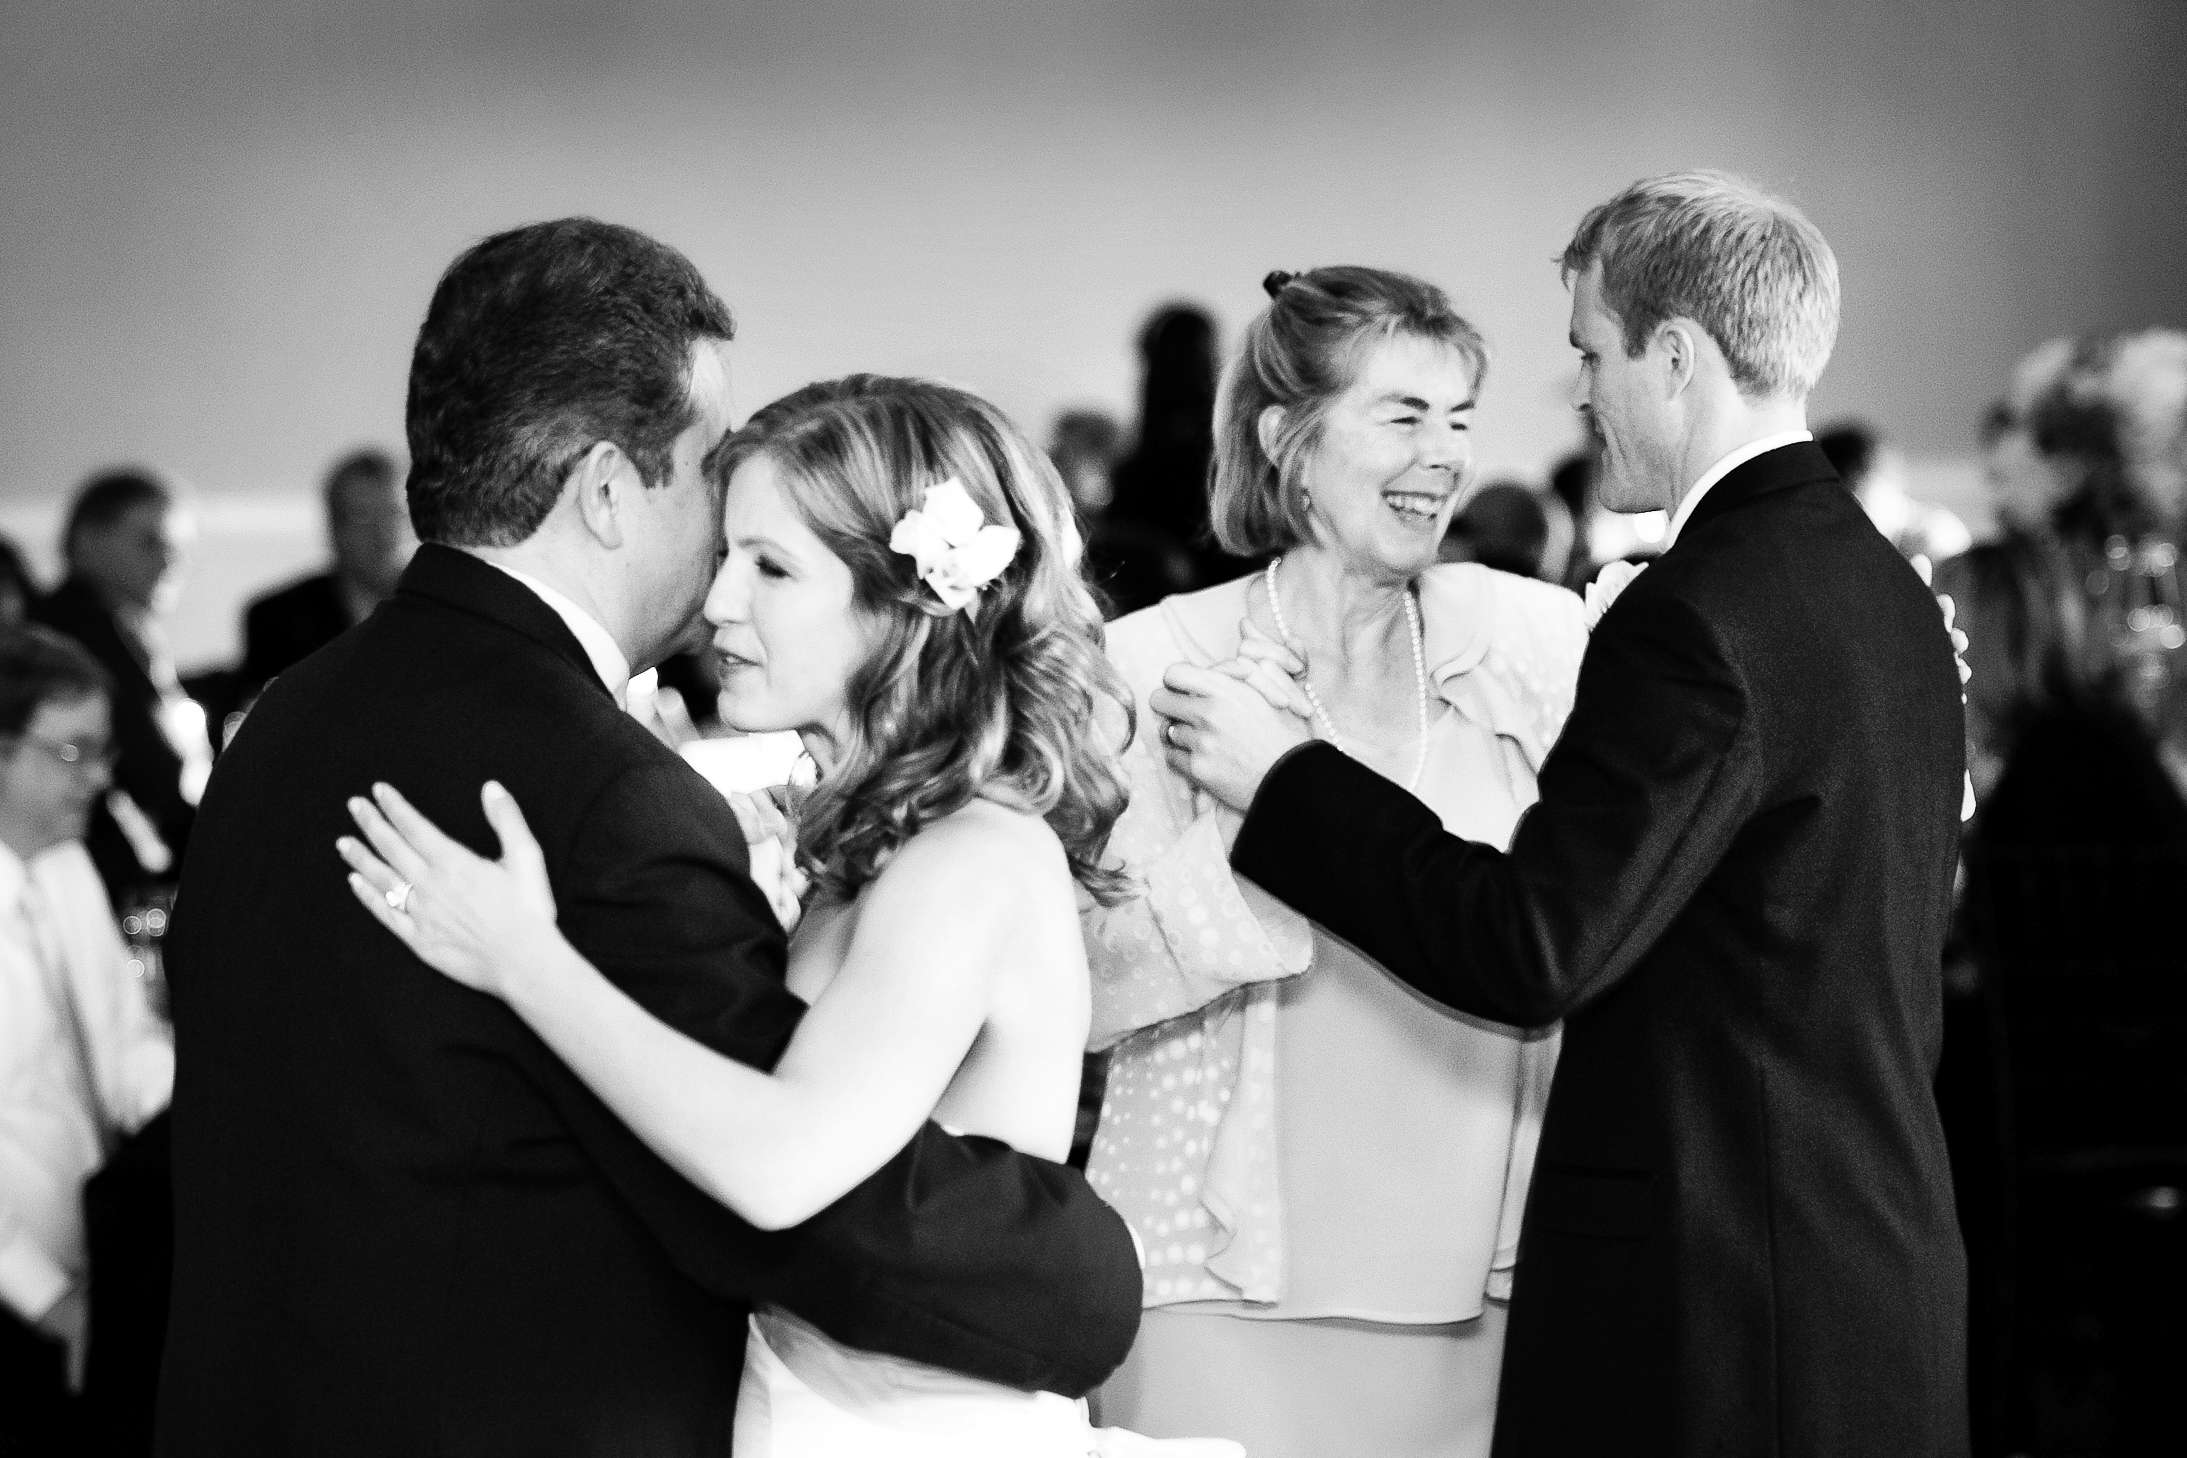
(223, 218)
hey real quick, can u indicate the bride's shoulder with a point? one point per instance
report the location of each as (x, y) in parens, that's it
(985, 848)
(995, 826)
(980, 879)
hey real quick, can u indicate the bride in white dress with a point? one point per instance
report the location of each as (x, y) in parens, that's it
(901, 588)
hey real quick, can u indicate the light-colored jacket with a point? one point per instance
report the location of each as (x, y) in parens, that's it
(1185, 972)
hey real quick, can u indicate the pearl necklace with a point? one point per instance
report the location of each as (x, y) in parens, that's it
(1321, 713)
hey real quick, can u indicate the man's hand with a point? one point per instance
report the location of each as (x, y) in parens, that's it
(1926, 570)
(1220, 733)
(1958, 635)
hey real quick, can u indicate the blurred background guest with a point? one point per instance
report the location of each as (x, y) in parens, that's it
(370, 541)
(2016, 596)
(1133, 563)
(2065, 1075)
(1572, 482)
(1084, 446)
(1511, 527)
(2027, 645)
(1876, 474)
(2025, 484)
(1161, 484)
(83, 1058)
(2081, 593)
(17, 589)
(124, 545)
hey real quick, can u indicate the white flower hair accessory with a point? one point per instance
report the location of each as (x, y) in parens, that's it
(956, 549)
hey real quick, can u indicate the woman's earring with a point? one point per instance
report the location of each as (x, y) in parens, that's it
(1306, 499)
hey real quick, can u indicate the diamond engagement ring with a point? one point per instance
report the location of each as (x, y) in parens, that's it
(399, 898)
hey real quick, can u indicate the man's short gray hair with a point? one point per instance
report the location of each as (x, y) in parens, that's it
(1747, 267)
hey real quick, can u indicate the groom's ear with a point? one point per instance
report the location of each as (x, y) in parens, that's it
(603, 482)
(1679, 344)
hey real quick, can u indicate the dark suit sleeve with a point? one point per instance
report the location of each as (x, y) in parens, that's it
(958, 1252)
(1650, 781)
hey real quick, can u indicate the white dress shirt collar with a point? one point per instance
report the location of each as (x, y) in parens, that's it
(599, 645)
(1724, 467)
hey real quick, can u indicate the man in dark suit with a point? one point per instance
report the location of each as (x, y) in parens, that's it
(124, 543)
(1740, 1237)
(369, 536)
(401, 1225)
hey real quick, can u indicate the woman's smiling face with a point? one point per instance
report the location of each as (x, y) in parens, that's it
(1394, 453)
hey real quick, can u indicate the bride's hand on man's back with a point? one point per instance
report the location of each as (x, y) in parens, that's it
(480, 922)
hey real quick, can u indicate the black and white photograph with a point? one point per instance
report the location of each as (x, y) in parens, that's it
(1093, 728)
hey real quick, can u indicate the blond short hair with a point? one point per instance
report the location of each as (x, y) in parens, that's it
(1747, 267)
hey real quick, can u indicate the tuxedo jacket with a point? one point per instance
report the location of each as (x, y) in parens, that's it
(1740, 1238)
(288, 625)
(148, 769)
(401, 1225)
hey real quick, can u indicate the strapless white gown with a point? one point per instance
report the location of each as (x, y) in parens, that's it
(806, 1396)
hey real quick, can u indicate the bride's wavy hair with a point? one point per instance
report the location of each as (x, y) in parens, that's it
(1012, 696)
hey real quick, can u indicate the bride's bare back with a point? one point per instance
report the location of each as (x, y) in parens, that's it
(1018, 1082)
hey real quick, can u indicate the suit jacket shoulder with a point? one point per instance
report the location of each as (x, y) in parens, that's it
(282, 627)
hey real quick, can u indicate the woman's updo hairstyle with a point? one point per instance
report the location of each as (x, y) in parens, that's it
(1301, 353)
(1010, 696)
